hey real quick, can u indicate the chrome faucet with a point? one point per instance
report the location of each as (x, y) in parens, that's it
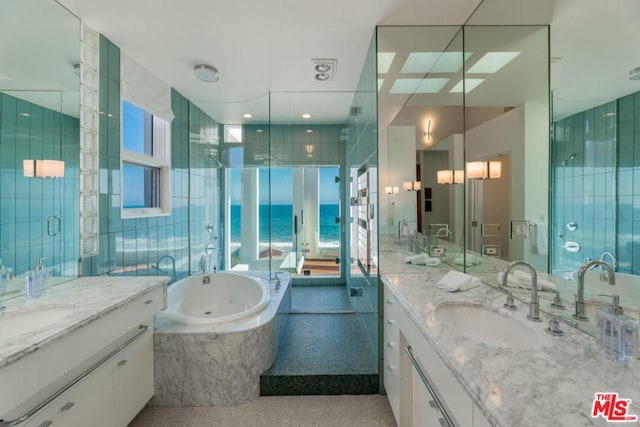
(580, 312)
(447, 233)
(614, 261)
(2, 307)
(277, 280)
(173, 265)
(203, 263)
(534, 305)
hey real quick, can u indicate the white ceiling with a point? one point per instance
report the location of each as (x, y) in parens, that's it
(261, 47)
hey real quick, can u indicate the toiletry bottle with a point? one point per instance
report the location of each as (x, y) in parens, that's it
(5, 276)
(41, 277)
(618, 333)
(30, 285)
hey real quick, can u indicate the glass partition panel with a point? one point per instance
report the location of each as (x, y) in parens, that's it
(421, 127)
(506, 87)
(39, 95)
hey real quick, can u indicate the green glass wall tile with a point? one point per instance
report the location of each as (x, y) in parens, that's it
(113, 66)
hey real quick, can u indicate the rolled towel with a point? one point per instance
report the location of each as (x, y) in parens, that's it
(522, 279)
(411, 258)
(433, 262)
(456, 281)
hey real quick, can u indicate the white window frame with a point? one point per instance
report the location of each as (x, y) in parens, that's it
(161, 159)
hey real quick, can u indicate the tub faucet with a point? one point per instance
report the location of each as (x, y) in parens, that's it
(580, 312)
(173, 265)
(534, 305)
(614, 261)
(277, 279)
(203, 264)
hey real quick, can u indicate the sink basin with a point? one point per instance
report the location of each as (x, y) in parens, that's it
(21, 321)
(488, 326)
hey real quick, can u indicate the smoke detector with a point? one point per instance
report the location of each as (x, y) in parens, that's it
(324, 69)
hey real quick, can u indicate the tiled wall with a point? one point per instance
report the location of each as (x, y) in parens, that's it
(362, 148)
(134, 246)
(598, 188)
(628, 184)
(29, 131)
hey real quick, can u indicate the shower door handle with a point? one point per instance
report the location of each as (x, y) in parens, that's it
(53, 225)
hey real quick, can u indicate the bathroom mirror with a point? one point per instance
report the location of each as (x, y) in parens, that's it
(39, 94)
(499, 114)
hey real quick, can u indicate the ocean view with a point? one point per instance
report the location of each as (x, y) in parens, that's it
(281, 224)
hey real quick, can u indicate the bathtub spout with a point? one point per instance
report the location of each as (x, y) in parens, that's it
(173, 265)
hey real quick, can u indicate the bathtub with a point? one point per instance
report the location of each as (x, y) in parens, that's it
(216, 298)
(215, 339)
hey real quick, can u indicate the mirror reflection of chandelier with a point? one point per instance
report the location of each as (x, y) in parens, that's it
(484, 170)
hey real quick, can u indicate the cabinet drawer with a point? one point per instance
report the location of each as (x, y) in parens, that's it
(458, 403)
(133, 378)
(145, 306)
(88, 403)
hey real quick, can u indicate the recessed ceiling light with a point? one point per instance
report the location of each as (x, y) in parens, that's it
(634, 74)
(323, 76)
(206, 73)
(324, 69)
(247, 116)
(309, 131)
(305, 115)
(25, 114)
(259, 131)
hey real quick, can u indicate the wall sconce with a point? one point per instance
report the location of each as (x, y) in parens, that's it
(484, 170)
(411, 185)
(427, 133)
(43, 168)
(309, 149)
(447, 176)
(391, 190)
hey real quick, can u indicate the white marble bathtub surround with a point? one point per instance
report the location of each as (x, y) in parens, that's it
(217, 364)
(553, 384)
(89, 299)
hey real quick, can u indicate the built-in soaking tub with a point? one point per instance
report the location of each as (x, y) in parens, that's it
(218, 334)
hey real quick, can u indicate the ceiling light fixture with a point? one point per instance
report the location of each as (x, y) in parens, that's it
(305, 115)
(324, 69)
(309, 131)
(247, 116)
(206, 73)
(634, 74)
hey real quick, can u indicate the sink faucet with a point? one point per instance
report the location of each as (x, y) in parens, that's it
(447, 233)
(580, 312)
(614, 261)
(534, 305)
(276, 278)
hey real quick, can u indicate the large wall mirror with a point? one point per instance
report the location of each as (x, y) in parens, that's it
(39, 109)
(460, 110)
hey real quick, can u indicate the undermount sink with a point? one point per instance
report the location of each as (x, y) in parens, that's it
(21, 321)
(488, 326)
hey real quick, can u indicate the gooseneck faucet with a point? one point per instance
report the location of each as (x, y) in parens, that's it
(614, 261)
(580, 311)
(534, 305)
(173, 264)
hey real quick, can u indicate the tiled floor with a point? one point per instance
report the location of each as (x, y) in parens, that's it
(324, 350)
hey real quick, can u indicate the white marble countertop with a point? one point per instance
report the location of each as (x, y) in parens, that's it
(554, 384)
(88, 297)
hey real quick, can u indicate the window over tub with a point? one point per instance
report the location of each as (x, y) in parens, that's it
(145, 151)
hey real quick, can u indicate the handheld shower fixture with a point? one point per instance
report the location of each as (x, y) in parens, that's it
(566, 161)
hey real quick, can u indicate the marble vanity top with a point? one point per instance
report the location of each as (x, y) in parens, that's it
(551, 385)
(89, 298)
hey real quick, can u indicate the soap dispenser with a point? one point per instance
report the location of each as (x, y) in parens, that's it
(6, 274)
(618, 333)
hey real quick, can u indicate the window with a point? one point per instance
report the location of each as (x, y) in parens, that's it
(146, 163)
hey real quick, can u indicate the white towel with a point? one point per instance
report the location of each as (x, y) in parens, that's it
(456, 281)
(468, 261)
(422, 259)
(540, 239)
(522, 279)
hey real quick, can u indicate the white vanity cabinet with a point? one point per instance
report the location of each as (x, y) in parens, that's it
(99, 374)
(413, 404)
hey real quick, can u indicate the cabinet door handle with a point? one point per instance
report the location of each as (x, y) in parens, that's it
(389, 301)
(390, 322)
(67, 406)
(45, 423)
(389, 367)
(149, 301)
(391, 344)
(122, 362)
